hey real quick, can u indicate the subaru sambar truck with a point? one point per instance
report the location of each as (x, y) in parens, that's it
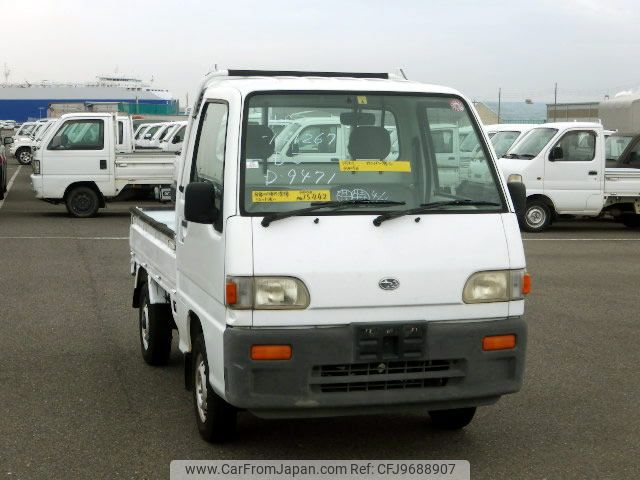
(301, 287)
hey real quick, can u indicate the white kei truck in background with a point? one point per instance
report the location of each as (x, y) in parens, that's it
(563, 167)
(291, 303)
(174, 139)
(87, 159)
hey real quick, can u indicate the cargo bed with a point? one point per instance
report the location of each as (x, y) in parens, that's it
(152, 243)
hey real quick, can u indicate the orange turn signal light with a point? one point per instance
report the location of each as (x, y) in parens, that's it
(498, 342)
(231, 293)
(271, 352)
(526, 284)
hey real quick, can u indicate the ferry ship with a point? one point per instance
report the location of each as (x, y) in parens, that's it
(29, 101)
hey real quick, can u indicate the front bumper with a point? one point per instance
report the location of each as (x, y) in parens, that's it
(347, 370)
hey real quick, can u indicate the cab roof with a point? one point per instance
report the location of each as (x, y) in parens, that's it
(247, 82)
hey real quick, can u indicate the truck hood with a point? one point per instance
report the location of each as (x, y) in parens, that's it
(342, 258)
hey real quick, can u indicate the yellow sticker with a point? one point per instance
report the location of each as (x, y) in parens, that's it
(270, 196)
(362, 100)
(374, 166)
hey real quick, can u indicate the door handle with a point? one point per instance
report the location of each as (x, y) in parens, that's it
(103, 164)
(592, 172)
(184, 223)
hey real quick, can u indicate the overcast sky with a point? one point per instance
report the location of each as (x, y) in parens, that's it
(590, 47)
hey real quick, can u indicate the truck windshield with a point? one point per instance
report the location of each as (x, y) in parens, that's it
(502, 141)
(372, 147)
(532, 144)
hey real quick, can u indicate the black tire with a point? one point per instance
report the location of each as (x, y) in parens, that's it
(537, 216)
(3, 184)
(630, 220)
(82, 202)
(216, 419)
(155, 328)
(453, 419)
(23, 155)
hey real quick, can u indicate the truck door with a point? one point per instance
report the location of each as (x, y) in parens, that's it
(574, 172)
(200, 248)
(79, 150)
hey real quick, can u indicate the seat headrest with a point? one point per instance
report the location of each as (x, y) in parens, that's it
(259, 142)
(369, 142)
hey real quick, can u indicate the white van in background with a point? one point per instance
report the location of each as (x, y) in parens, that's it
(22, 148)
(147, 136)
(504, 135)
(161, 134)
(175, 138)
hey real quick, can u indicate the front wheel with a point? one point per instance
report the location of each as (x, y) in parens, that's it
(23, 156)
(537, 216)
(453, 419)
(82, 202)
(216, 419)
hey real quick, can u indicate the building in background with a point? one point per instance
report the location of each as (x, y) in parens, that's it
(574, 112)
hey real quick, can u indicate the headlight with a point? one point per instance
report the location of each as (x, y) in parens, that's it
(36, 167)
(514, 178)
(266, 293)
(496, 286)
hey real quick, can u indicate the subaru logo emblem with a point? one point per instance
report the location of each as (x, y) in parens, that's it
(389, 283)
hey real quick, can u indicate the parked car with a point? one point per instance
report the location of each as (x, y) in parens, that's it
(504, 135)
(629, 156)
(84, 164)
(563, 167)
(3, 165)
(173, 141)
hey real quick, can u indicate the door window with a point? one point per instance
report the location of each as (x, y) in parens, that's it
(577, 146)
(79, 135)
(208, 160)
(120, 132)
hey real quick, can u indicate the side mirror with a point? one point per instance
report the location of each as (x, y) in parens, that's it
(176, 139)
(8, 140)
(199, 203)
(556, 154)
(633, 158)
(518, 192)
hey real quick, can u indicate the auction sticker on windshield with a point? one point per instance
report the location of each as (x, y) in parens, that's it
(374, 166)
(270, 196)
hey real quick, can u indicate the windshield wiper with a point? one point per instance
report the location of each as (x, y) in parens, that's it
(511, 155)
(429, 206)
(335, 205)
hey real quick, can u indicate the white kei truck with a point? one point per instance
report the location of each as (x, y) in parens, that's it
(87, 159)
(563, 166)
(289, 302)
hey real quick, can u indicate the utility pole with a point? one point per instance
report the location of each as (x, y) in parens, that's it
(499, 102)
(555, 102)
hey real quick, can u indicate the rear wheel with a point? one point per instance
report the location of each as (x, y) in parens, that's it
(82, 202)
(23, 155)
(537, 216)
(155, 329)
(453, 419)
(216, 419)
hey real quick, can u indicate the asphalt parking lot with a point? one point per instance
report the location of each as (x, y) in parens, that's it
(77, 401)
